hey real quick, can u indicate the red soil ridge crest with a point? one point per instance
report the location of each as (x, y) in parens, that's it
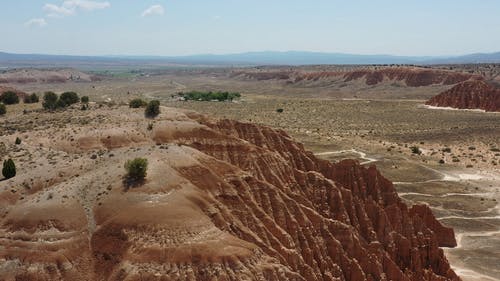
(472, 94)
(224, 201)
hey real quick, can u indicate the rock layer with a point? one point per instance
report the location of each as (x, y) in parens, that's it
(473, 94)
(223, 200)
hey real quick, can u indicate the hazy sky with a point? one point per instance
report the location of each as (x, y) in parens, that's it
(180, 27)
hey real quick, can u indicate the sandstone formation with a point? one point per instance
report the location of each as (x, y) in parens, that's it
(411, 76)
(222, 200)
(473, 94)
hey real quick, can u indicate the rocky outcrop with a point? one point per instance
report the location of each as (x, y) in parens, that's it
(222, 200)
(411, 76)
(469, 95)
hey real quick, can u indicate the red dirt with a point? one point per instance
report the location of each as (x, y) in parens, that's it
(469, 95)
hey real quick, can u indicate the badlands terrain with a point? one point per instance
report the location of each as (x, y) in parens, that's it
(244, 199)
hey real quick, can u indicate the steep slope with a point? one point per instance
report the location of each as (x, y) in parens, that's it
(223, 200)
(469, 95)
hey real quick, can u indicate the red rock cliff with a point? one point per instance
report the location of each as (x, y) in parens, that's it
(223, 200)
(469, 95)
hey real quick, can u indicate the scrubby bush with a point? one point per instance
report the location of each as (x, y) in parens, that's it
(9, 97)
(3, 110)
(69, 98)
(136, 168)
(136, 103)
(9, 169)
(50, 100)
(415, 150)
(279, 110)
(441, 161)
(33, 98)
(85, 99)
(152, 109)
(18, 140)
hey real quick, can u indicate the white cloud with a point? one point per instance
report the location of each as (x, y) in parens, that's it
(86, 5)
(36, 22)
(153, 10)
(70, 7)
(57, 11)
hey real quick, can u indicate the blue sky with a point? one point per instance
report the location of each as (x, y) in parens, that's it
(182, 27)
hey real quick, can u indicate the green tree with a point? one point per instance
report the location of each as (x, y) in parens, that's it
(136, 168)
(69, 98)
(3, 110)
(9, 97)
(50, 100)
(9, 169)
(153, 109)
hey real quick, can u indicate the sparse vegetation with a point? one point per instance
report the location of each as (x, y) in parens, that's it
(85, 99)
(136, 103)
(50, 101)
(209, 96)
(3, 109)
(136, 168)
(33, 98)
(279, 110)
(18, 141)
(9, 97)
(9, 169)
(152, 109)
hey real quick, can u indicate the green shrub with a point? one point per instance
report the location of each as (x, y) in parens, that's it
(33, 98)
(18, 140)
(447, 150)
(9, 169)
(441, 161)
(136, 103)
(136, 168)
(209, 96)
(279, 110)
(9, 97)
(415, 150)
(153, 109)
(85, 99)
(69, 98)
(50, 100)
(3, 110)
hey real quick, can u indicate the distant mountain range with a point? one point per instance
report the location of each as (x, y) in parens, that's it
(241, 59)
